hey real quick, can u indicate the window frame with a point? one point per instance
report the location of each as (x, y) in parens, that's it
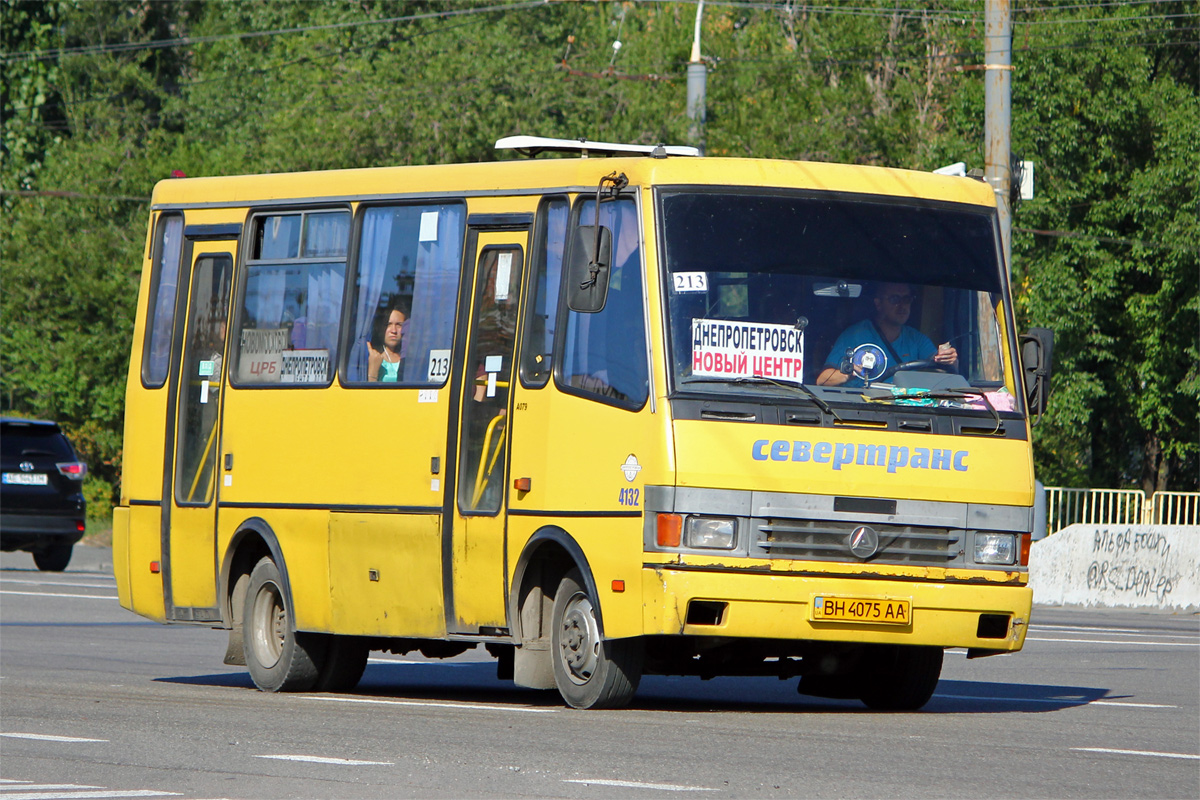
(350, 296)
(152, 309)
(242, 279)
(535, 264)
(560, 343)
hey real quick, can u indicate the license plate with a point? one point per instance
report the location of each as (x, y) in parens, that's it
(861, 609)
(26, 478)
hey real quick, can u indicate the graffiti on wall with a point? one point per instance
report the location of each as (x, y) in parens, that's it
(1132, 562)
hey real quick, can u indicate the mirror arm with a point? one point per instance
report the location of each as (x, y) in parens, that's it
(619, 182)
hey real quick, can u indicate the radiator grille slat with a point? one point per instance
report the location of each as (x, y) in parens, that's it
(827, 540)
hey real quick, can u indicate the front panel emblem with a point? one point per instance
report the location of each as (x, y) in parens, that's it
(863, 542)
(631, 468)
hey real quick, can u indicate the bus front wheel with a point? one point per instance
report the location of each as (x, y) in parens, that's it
(589, 671)
(279, 659)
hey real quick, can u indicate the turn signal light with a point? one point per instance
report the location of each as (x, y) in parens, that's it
(1026, 539)
(154, 567)
(618, 586)
(522, 484)
(670, 528)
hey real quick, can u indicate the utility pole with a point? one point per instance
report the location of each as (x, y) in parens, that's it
(997, 143)
(697, 80)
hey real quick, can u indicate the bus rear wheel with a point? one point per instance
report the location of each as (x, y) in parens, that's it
(279, 658)
(900, 677)
(589, 671)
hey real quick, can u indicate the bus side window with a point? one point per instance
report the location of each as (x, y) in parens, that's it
(168, 250)
(604, 353)
(292, 306)
(409, 257)
(550, 239)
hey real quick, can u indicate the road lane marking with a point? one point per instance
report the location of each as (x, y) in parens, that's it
(43, 787)
(1113, 641)
(1129, 631)
(52, 594)
(1064, 701)
(99, 795)
(105, 585)
(666, 787)
(1136, 752)
(350, 762)
(424, 704)
(45, 737)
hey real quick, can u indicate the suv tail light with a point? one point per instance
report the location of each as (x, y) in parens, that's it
(75, 470)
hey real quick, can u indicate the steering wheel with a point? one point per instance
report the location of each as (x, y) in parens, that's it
(924, 365)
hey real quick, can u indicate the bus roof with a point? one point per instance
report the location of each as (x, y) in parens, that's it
(548, 175)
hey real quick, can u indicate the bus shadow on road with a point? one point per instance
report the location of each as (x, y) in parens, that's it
(473, 682)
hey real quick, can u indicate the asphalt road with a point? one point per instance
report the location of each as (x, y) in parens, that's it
(96, 702)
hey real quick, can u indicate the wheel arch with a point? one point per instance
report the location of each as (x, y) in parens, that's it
(548, 555)
(253, 540)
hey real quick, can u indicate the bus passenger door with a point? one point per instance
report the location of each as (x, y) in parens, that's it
(190, 568)
(477, 570)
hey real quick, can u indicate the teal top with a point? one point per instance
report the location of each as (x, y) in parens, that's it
(389, 371)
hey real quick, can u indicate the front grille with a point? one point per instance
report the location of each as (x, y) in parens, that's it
(826, 540)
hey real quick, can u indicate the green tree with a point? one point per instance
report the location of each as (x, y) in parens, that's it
(1107, 254)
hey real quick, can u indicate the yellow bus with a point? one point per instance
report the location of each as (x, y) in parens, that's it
(635, 412)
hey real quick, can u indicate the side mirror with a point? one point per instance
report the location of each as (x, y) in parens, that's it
(1037, 351)
(588, 270)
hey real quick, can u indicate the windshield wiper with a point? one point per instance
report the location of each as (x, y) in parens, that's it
(874, 395)
(821, 404)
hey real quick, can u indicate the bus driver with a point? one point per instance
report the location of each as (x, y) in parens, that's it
(888, 330)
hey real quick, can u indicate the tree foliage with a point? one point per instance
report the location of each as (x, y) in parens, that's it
(101, 99)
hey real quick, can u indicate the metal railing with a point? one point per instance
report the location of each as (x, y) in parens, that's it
(1173, 508)
(1119, 507)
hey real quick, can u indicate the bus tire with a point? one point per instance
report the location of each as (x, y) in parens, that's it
(900, 677)
(279, 659)
(589, 671)
(344, 664)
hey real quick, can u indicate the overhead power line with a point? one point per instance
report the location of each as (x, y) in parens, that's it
(187, 41)
(1093, 237)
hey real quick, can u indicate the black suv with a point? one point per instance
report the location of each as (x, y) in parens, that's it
(41, 492)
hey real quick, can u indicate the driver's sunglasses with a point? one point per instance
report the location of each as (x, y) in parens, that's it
(900, 299)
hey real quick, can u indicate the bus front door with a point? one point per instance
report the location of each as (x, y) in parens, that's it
(190, 569)
(477, 585)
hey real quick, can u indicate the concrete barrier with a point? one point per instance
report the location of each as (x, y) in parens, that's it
(1125, 566)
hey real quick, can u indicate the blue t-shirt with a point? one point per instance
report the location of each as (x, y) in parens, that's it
(910, 345)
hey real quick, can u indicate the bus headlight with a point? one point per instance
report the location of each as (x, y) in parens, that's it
(710, 532)
(995, 548)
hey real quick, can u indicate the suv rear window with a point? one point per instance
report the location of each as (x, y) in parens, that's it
(21, 439)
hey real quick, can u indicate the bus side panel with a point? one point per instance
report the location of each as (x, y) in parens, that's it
(303, 536)
(120, 555)
(577, 453)
(137, 552)
(334, 446)
(385, 575)
(142, 457)
(145, 409)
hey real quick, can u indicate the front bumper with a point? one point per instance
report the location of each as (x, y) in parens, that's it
(741, 604)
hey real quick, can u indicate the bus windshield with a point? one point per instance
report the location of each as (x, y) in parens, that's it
(860, 299)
